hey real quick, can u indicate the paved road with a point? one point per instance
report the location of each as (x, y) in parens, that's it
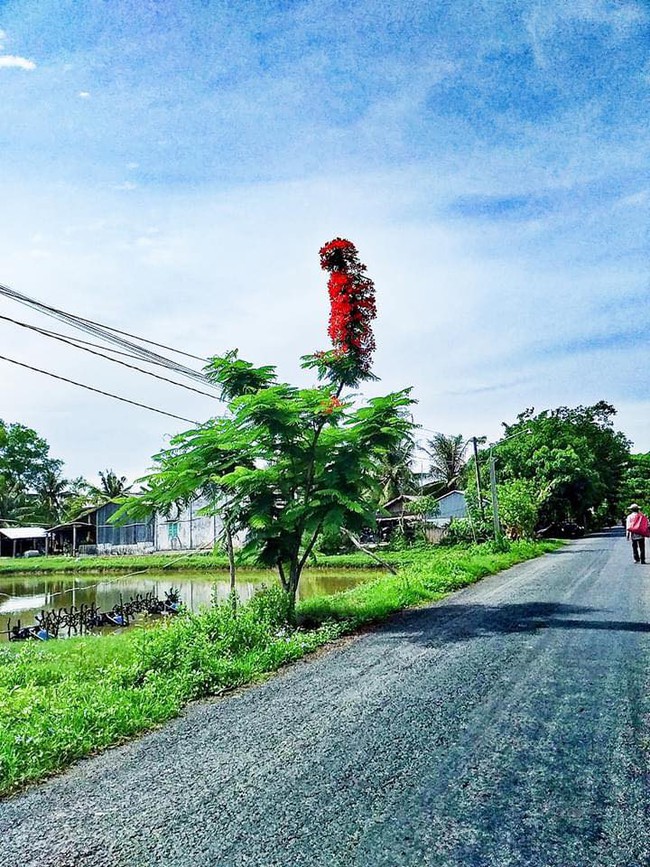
(508, 725)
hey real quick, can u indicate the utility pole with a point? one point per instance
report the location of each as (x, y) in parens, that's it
(493, 484)
(478, 478)
(495, 502)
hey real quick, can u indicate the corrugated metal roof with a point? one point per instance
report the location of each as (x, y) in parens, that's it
(23, 532)
(82, 524)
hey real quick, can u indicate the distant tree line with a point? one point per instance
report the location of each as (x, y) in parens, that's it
(33, 489)
(565, 464)
(560, 465)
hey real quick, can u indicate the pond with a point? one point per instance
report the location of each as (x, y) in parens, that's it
(23, 596)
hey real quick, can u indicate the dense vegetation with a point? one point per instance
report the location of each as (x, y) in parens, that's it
(65, 699)
(566, 464)
(33, 489)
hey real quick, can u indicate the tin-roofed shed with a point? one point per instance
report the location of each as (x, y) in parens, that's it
(17, 540)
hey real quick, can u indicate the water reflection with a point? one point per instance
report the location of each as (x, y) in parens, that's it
(21, 597)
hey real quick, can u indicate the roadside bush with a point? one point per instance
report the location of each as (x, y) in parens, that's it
(333, 541)
(467, 531)
(519, 508)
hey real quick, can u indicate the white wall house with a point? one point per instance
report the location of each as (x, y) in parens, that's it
(186, 529)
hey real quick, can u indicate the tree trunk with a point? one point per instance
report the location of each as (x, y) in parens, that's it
(294, 580)
(231, 568)
(357, 544)
(283, 577)
(290, 583)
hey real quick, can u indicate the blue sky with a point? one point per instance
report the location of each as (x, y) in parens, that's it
(173, 168)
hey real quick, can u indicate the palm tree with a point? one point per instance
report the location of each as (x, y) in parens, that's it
(447, 455)
(14, 504)
(396, 474)
(112, 486)
(51, 494)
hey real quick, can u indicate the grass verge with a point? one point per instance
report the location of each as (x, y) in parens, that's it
(178, 560)
(63, 700)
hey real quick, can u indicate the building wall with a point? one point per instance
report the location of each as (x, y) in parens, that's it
(434, 535)
(139, 534)
(452, 505)
(187, 530)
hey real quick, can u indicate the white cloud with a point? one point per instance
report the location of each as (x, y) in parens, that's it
(11, 61)
(84, 94)
(634, 199)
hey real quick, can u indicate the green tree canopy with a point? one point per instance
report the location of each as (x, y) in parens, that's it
(635, 484)
(32, 488)
(24, 456)
(574, 458)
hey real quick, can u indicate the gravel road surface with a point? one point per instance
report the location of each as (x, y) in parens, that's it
(507, 725)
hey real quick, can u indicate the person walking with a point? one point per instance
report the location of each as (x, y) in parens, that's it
(637, 528)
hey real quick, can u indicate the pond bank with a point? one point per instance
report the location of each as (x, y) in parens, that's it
(176, 561)
(62, 700)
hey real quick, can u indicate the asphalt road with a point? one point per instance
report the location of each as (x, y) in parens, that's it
(507, 725)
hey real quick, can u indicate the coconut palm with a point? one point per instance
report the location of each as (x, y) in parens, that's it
(51, 495)
(396, 474)
(447, 455)
(14, 504)
(112, 486)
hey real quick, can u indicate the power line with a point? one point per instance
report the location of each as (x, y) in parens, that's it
(73, 341)
(106, 333)
(47, 332)
(17, 296)
(96, 390)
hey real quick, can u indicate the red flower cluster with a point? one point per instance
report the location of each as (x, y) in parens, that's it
(330, 405)
(352, 298)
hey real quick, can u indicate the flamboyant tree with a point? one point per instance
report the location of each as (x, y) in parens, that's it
(286, 464)
(352, 309)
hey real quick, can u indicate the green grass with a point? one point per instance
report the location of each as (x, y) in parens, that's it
(424, 577)
(170, 560)
(63, 700)
(190, 562)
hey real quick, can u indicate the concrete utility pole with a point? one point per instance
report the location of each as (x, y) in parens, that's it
(478, 478)
(493, 483)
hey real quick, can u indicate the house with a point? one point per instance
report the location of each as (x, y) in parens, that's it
(14, 541)
(92, 533)
(403, 514)
(181, 529)
(186, 529)
(450, 505)
(136, 537)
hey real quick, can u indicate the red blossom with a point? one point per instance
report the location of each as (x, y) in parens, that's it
(352, 299)
(330, 405)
